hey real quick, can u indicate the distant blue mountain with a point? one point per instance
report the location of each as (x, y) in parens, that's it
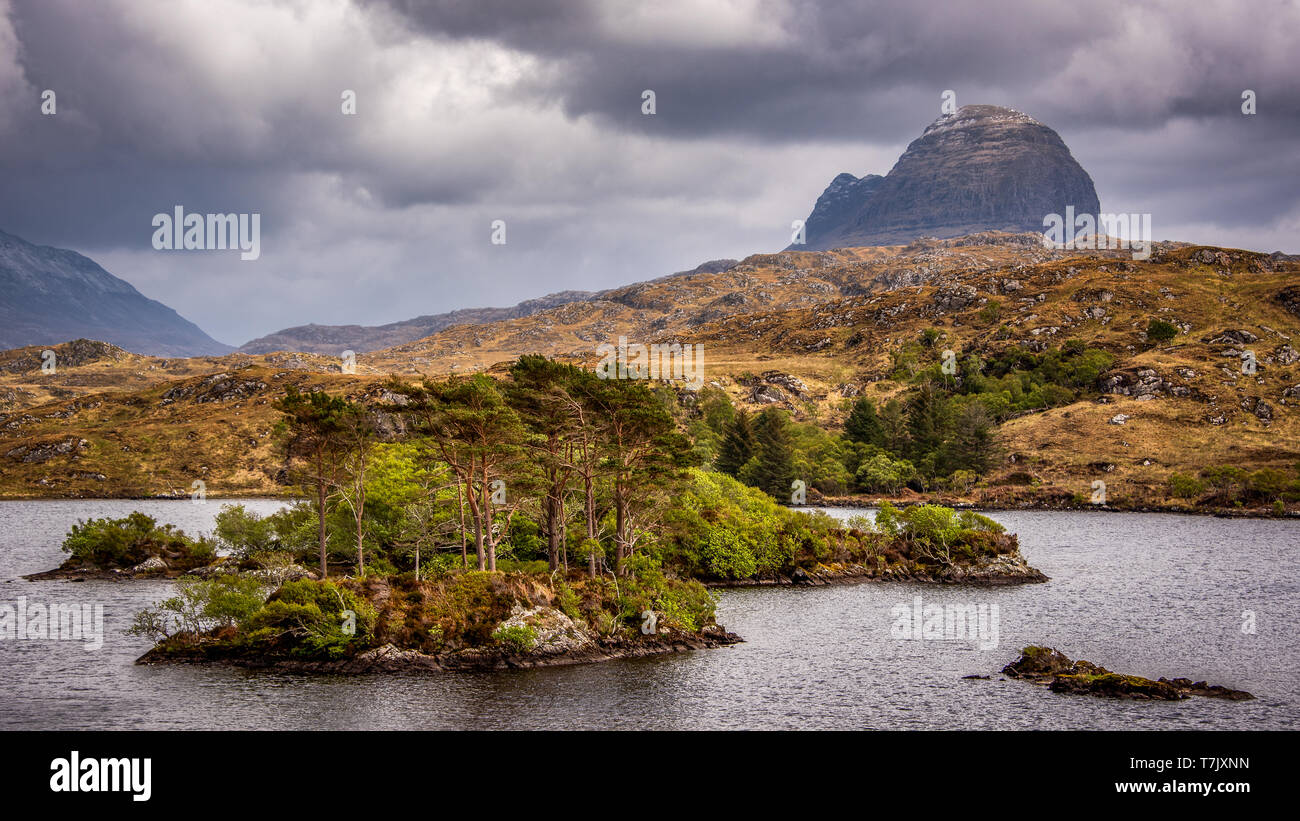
(51, 295)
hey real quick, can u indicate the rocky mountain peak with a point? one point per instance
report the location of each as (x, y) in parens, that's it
(983, 168)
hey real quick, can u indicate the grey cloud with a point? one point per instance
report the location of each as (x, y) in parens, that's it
(530, 112)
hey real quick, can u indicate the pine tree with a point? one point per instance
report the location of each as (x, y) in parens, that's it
(481, 438)
(774, 443)
(645, 454)
(973, 441)
(737, 445)
(927, 421)
(894, 424)
(315, 428)
(538, 393)
(863, 425)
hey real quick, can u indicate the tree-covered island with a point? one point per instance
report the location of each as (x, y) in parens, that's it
(544, 516)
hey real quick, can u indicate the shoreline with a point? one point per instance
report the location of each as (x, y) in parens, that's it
(389, 658)
(847, 502)
(862, 503)
(991, 574)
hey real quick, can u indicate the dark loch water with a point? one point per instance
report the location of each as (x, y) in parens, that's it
(1151, 594)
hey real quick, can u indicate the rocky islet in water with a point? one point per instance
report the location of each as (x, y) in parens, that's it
(1059, 673)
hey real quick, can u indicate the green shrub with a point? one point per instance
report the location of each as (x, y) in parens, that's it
(1160, 331)
(528, 566)
(243, 532)
(518, 637)
(201, 605)
(314, 615)
(127, 541)
(1184, 486)
(990, 313)
(978, 522)
(1267, 484)
(887, 521)
(961, 481)
(726, 556)
(883, 474)
(933, 524)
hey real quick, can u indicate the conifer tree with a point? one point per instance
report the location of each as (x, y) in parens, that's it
(737, 445)
(863, 425)
(315, 440)
(774, 444)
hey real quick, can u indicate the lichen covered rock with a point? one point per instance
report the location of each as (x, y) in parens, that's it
(1051, 667)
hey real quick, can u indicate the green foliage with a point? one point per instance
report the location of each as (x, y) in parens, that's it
(1185, 487)
(201, 605)
(567, 600)
(1266, 484)
(719, 528)
(1224, 477)
(737, 446)
(863, 425)
(978, 522)
(962, 480)
(726, 556)
(128, 541)
(932, 524)
(518, 637)
(888, 521)
(244, 532)
(990, 313)
(1160, 331)
(774, 450)
(883, 474)
(321, 435)
(314, 616)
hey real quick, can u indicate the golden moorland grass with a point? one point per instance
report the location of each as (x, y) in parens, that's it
(113, 423)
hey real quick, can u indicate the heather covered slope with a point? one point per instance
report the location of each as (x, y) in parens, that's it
(333, 340)
(806, 331)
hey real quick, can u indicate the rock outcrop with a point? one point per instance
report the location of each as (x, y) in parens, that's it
(983, 168)
(1050, 667)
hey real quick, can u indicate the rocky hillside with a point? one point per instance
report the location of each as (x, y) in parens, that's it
(50, 295)
(332, 340)
(983, 168)
(804, 330)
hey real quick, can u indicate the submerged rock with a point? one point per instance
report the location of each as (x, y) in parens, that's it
(1051, 667)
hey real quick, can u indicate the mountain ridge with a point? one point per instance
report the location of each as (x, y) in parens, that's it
(52, 295)
(333, 340)
(807, 331)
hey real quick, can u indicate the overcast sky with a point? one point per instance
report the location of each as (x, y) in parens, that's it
(470, 111)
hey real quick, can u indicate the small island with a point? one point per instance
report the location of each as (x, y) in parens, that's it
(468, 621)
(549, 517)
(1053, 669)
(244, 598)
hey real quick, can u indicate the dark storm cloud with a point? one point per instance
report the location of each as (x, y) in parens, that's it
(531, 112)
(871, 70)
